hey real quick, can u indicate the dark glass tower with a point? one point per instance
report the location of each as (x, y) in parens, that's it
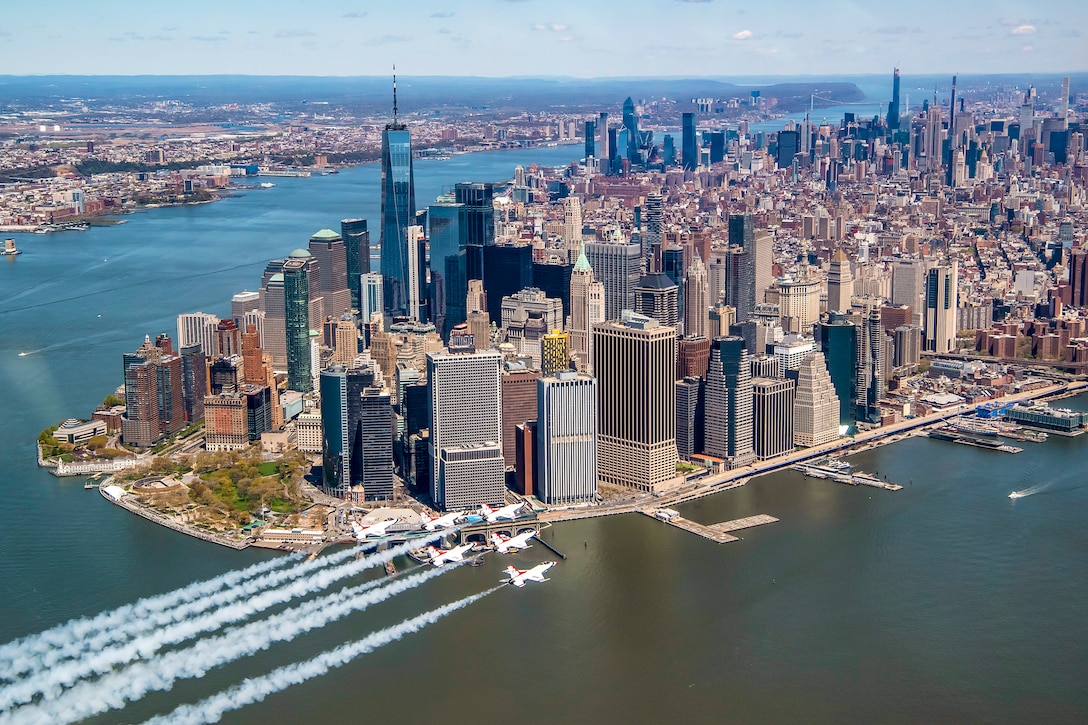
(449, 273)
(357, 446)
(507, 269)
(668, 151)
(837, 338)
(479, 201)
(689, 150)
(296, 294)
(357, 242)
(789, 145)
(398, 211)
(630, 123)
(591, 129)
(893, 105)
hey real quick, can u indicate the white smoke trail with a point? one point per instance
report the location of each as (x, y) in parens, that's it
(91, 656)
(114, 690)
(257, 689)
(76, 629)
(34, 661)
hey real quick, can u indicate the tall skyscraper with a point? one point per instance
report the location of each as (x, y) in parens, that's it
(194, 382)
(398, 211)
(837, 338)
(296, 294)
(690, 416)
(696, 299)
(466, 429)
(772, 417)
(587, 307)
(689, 149)
(357, 251)
(449, 274)
(602, 144)
(507, 269)
(241, 304)
(567, 438)
(519, 393)
(893, 105)
(1078, 277)
(330, 254)
(618, 268)
(154, 389)
(634, 359)
(939, 324)
(572, 227)
(655, 227)
(741, 267)
(815, 406)
(630, 123)
(417, 275)
(199, 328)
(871, 366)
(590, 130)
(728, 430)
(357, 447)
(840, 282)
(272, 302)
(370, 295)
(479, 201)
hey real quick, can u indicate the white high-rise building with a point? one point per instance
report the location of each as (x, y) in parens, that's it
(370, 295)
(815, 406)
(696, 299)
(415, 284)
(567, 438)
(199, 328)
(572, 226)
(466, 429)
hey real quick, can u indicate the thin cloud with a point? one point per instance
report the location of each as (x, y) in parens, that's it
(743, 35)
(893, 30)
(207, 38)
(355, 14)
(553, 27)
(444, 31)
(389, 38)
(1023, 30)
(298, 33)
(443, 14)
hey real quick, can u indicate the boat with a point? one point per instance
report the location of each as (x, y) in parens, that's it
(267, 184)
(1016, 494)
(88, 485)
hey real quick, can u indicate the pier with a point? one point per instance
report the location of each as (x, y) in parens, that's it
(841, 473)
(718, 533)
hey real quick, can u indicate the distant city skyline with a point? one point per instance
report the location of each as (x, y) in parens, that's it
(532, 37)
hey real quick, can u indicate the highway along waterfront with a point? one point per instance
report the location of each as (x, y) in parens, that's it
(946, 601)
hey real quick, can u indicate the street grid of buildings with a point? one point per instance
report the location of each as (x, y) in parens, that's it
(652, 310)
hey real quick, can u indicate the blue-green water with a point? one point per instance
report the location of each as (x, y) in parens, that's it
(943, 602)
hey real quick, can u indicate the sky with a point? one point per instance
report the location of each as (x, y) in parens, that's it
(580, 38)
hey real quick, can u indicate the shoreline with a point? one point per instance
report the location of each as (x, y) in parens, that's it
(709, 486)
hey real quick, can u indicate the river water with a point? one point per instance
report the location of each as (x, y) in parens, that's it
(945, 601)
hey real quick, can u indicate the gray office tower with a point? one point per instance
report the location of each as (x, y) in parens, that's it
(398, 211)
(357, 440)
(617, 267)
(728, 430)
(689, 149)
(567, 438)
(465, 445)
(657, 296)
(357, 243)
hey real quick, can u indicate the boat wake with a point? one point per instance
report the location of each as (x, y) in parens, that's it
(1030, 490)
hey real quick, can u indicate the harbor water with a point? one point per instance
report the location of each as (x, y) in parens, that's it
(945, 601)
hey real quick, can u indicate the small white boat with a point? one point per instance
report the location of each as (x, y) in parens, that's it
(267, 184)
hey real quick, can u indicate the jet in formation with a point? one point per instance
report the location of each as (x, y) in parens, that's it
(506, 513)
(440, 557)
(507, 544)
(374, 531)
(440, 522)
(519, 577)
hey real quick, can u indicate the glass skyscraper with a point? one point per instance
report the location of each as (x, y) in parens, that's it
(449, 280)
(398, 212)
(357, 241)
(296, 294)
(689, 150)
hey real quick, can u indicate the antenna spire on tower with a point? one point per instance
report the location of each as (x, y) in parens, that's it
(394, 93)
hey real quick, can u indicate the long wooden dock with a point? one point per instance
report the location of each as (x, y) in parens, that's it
(718, 533)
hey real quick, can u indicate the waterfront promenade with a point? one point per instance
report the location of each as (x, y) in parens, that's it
(739, 476)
